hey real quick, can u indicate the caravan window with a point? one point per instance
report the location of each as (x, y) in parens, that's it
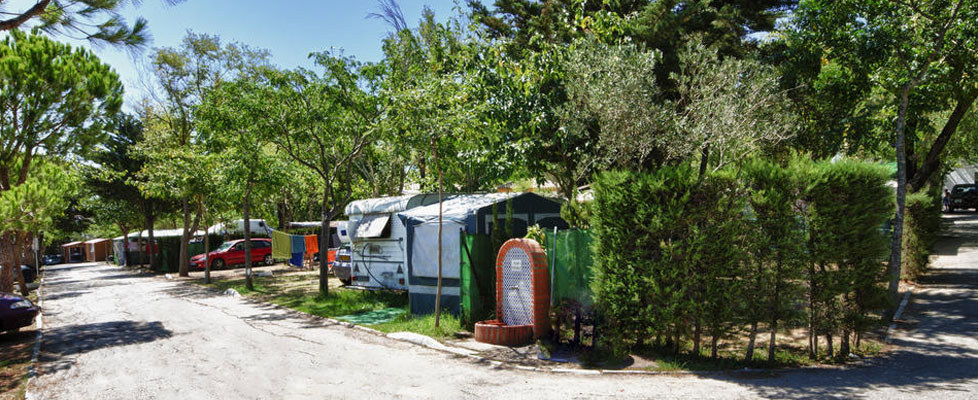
(374, 226)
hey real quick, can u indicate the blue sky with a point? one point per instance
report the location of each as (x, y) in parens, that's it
(290, 29)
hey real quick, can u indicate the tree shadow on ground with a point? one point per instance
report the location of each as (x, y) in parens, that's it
(62, 343)
(15, 355)
(65, 295)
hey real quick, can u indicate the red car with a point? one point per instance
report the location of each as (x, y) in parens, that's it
(233, 253)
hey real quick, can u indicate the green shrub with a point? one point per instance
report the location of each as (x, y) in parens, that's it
(777, 247)
(677, 256)
(667, 254)
(640, 226)
(849, 203)
(921, 225)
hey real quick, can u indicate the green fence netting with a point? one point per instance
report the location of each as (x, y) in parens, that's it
(478, 278)
(572, 266)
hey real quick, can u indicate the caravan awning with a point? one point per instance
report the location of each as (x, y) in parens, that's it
(372, 226)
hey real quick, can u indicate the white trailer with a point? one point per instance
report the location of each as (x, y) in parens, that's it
(378, 240)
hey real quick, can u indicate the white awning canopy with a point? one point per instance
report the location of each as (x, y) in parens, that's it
(372, 226)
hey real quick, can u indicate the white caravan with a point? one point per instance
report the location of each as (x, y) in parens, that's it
(378, 240)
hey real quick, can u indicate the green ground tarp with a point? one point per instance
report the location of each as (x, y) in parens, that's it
(572, 271)
(373, 317)
(478, 273)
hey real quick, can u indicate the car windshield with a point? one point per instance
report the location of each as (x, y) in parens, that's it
(224, 246)
(963, 189)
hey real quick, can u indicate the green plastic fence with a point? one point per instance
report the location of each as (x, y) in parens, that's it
(572, 271)
(478, 278)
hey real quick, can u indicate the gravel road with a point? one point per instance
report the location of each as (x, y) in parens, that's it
(113, 334)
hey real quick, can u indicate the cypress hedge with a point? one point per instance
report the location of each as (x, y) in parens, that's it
(679, 255)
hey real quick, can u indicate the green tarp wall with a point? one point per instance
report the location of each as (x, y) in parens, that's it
(478, 273)
(169, 248)
(572, 271)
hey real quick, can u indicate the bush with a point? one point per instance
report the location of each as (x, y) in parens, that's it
(921, 226)
(677, 255)
(849, 204)
(666, 254)
(777, 247)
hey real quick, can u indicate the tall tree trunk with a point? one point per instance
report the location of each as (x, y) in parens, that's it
(281, 215)
(704, 160)
(896, 245)
(151, 245)
(434, 149)
(125, 246)
(325, 217)
(247, 237)
(932, 161)
(750, 342)
(7, 258)
(771, 344)
(812, 315)
(207, 242)
(185, 239)
(714, 342)
(697, 336)
(18, 248)
(828, 345)
(844, 343)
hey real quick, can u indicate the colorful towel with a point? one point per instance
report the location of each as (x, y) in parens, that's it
(296, 260)
(298, 243)
(281, 245)
(312, 244)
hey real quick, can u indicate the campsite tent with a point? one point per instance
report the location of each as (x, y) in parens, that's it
(463, 215)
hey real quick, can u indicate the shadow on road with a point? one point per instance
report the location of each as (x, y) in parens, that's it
(61, 343)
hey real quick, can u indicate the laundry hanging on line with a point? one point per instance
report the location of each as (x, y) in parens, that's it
(312, 244)
(281, 245)
(298, 249)
(296, 260)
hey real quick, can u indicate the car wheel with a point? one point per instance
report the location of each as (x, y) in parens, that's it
(346, 282)
(217, 264)
(268, 259)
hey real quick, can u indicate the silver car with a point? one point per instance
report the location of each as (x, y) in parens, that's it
(341, 266)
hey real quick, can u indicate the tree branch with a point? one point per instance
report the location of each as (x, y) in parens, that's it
(19, 20)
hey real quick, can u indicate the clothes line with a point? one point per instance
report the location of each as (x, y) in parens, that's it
(294, 248)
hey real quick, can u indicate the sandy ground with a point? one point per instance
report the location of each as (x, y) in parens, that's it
(113, 334)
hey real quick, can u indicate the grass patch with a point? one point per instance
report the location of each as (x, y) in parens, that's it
(338, 302)
(424, 325)
(342, 302)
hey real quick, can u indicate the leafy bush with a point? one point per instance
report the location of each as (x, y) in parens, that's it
(678, 255)
(777, 247)
(849, 203)
(921, 225)
(666, 254)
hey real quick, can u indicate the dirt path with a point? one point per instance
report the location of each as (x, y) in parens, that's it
(115, 335)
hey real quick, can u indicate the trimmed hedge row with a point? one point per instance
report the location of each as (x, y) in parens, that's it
(922, 224)
(679, 257)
